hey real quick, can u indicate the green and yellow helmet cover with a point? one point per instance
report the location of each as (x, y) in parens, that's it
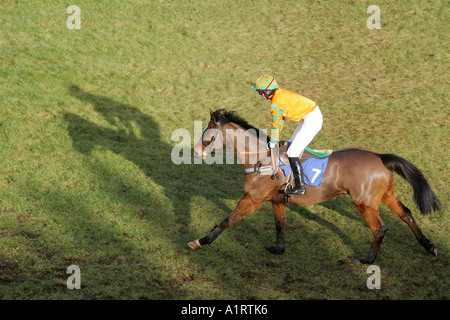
(265, 82)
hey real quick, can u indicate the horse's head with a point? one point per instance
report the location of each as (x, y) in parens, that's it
(211, 140)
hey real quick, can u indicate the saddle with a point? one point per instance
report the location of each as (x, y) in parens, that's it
(283, 160)
(314, 163)
(307, 153)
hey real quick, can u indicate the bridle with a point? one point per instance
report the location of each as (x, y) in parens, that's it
(209, 146)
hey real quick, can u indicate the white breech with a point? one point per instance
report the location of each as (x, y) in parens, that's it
(309, 126)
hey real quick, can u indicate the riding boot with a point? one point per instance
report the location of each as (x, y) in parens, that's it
(297, 170)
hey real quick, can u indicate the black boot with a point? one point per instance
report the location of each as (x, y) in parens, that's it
(297, 170)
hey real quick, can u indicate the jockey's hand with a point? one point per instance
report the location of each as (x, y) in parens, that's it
(274, 157)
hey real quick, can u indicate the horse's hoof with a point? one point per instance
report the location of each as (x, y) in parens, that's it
(274, 250)
(195, 244)
(362, 260)
(433, 251)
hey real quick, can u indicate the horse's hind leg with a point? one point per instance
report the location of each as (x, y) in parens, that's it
(394, 203)
(378, 228)
(280, 223)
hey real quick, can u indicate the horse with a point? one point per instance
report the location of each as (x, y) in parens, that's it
(366, 176)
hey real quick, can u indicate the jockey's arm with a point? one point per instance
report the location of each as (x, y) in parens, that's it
(277, 123)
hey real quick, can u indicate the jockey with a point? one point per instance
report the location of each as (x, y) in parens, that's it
(292, 106)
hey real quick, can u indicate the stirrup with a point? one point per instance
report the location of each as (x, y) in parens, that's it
(296, 191)
(287, 186)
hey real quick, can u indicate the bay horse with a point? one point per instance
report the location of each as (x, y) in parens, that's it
(367, 176)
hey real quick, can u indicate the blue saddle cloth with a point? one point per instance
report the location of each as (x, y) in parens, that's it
(313, 170)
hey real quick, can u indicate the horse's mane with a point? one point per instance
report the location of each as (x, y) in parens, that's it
(225, 116)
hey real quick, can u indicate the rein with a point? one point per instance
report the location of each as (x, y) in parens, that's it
(251, 152)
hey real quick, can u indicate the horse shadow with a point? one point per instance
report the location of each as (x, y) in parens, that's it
(136, 136)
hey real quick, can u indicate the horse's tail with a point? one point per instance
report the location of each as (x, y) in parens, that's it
(424, 197)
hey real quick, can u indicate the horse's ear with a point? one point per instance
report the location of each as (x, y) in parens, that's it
(213, 118)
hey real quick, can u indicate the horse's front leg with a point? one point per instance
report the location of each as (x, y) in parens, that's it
(280, 224)
(246, 205)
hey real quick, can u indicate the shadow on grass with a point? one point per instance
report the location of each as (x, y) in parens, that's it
(153, 157)
(148, 152)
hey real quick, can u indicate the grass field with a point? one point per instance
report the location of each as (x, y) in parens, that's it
(86, 121)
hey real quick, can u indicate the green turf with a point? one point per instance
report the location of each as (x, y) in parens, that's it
(86, 120)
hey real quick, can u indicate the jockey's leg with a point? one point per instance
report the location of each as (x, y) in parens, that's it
(309, 126)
